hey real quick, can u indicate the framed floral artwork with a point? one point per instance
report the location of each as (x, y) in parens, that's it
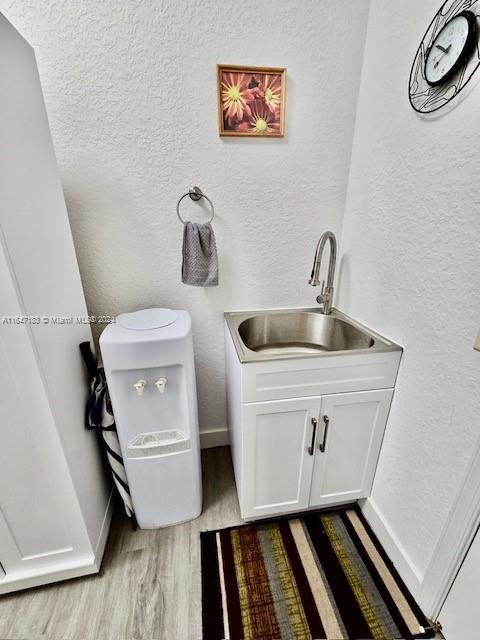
(251, 101)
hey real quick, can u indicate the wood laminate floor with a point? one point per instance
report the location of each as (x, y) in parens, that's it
(149, 584)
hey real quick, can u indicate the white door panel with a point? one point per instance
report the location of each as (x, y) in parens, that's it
(278, 465)
(457, 616)
(351, 429)
(54, 512)
(32, 500)
(27, 499)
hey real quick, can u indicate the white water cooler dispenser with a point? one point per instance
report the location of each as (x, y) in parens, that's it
(148, 361)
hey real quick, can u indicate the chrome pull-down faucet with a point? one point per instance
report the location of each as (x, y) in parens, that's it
(326, 294)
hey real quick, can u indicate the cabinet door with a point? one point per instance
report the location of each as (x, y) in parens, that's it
(36, 505)
(350, 435)
(278, 460)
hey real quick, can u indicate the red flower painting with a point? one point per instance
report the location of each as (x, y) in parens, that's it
(251, 101)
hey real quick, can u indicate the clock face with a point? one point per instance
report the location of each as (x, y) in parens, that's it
(449, 48)
(448, 56)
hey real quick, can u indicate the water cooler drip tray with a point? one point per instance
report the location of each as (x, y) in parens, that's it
(158, 443)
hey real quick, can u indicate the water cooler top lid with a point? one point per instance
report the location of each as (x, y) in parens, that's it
(147, 319)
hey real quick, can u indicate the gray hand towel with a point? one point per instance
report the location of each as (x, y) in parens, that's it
(199, 255)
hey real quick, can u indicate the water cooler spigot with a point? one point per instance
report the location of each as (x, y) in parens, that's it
(139, 386)
(161, 383)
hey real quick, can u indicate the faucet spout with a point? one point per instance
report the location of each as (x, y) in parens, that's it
(326, 295)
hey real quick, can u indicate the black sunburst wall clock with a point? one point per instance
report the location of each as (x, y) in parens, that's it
(447, 57)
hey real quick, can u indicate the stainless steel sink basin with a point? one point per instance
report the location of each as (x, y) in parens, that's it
(290, 333)
(301, 331)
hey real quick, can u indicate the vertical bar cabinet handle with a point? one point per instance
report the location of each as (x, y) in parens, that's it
(326, 421)
(312, 444)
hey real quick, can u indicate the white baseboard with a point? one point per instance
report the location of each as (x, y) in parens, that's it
(214, 438)
(397, 554)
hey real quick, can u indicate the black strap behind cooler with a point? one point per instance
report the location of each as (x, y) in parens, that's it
(99, 416)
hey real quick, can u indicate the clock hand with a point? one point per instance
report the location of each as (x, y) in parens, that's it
(445, 51)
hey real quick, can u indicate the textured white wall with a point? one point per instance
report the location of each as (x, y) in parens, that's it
(411, 269)
(130, 88)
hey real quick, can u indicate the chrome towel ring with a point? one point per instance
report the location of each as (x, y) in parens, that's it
(195, 194)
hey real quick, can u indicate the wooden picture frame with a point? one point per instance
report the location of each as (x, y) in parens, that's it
(251, 101)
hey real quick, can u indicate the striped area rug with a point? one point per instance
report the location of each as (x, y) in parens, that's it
(317, 575)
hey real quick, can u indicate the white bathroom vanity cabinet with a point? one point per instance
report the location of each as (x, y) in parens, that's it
(306, 431)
